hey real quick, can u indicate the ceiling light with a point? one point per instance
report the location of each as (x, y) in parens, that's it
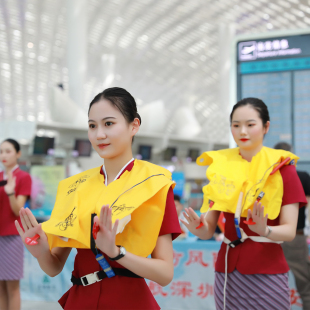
(6, 74)
(5, 66)
(139, 101)
(40, 132)
(143, 38)
(18, 54)
(307, 20)
(31, 118)
(119, 21)
(193, 64)
(269, 26)
(41, 117)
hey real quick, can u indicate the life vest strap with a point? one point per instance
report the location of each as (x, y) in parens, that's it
(234, 243)
(97, 276)
(92, 240)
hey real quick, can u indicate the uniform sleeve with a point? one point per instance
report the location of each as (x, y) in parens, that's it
(292, 189)
(170, 224)
(24, 186)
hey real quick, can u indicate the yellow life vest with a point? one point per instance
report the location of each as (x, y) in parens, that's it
(141, 193)
(229, 174)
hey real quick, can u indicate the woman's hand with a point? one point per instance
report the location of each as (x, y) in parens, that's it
(260, 220)
(105, 240)
(30, 229)
(9, 188)
(193, 221)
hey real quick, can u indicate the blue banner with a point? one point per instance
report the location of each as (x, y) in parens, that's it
(179, 178)
(192, 286)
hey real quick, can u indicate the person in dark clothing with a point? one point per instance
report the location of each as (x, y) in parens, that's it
(297, 252)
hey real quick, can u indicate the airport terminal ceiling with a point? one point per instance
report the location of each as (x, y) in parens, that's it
(157, 49)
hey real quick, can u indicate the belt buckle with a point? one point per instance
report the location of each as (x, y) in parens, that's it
(91, 278)
(234, 243)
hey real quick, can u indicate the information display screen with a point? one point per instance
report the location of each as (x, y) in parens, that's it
(145, 152)
(274, 89)
(277, 70)
(302, 112)
(42, 145)
(83, 146)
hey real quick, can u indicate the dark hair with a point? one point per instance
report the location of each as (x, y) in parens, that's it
(122, 99)
(177, 198)
(14, 143)
(256, 104)
(283, 146)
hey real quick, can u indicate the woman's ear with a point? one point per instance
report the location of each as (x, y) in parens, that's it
(266, 127)
(135, 126)
(19, 154)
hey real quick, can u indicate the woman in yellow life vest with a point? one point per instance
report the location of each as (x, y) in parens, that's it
(115, 215)
(259, 192)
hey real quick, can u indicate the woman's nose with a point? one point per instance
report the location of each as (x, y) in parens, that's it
(101, 134)
(243, 129)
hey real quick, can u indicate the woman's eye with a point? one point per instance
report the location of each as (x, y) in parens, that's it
(108, 123)
(91, 126)
(250, 125)
(236, 126)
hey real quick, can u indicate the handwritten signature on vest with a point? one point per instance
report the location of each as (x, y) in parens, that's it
(68, 221)
(73, 187)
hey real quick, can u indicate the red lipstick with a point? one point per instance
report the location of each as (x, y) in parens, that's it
(244, 140)
(102, 145)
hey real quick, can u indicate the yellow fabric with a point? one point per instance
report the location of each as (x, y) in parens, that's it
(85, 193)
(229, 174)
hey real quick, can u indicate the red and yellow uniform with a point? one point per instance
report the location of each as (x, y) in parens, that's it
(256, 269)
(153, 214)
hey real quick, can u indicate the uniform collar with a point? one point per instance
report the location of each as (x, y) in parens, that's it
(103, 171)
(14, 169)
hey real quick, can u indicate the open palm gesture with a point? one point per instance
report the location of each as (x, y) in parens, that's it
(29, 230)
(105, 240)
(258, 217)
(193, 222)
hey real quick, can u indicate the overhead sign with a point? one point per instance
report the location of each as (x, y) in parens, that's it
(274, 48)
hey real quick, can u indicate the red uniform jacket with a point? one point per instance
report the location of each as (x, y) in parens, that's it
(252, 257)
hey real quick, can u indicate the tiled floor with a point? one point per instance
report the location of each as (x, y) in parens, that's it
(40, 305)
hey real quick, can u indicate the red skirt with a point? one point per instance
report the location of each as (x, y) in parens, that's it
(111, 293)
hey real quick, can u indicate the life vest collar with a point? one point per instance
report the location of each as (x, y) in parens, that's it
(229, 174)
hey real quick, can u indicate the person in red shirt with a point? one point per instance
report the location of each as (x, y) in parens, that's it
(113, 122)
(251, 270)
(15, 189)
(296, 252)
